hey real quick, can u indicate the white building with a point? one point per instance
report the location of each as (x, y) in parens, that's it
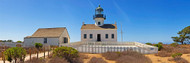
(50, 36)
(99, 32)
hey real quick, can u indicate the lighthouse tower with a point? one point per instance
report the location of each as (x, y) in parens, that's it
(99, 17)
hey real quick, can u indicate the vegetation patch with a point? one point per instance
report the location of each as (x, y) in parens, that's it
(96, 60)
(127, 57)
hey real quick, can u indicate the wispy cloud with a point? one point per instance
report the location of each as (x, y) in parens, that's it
(90, 2)
(123, 13)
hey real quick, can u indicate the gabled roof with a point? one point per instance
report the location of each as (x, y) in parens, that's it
(93, 26)
(48, 32)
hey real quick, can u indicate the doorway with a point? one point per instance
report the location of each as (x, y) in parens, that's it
(98, 37)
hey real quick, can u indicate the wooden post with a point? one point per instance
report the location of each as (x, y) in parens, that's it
(37, 54)
(3, 57)
(44, 52)
(30, 53)
(48, 52)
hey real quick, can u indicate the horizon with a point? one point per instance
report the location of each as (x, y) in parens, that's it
(142, 21)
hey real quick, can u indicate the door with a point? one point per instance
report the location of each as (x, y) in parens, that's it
(65, 40)
(98, 37)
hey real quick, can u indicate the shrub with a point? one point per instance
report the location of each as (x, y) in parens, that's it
(18, 45)
(96, 60)
(57, 60)
(148, 43)
(14, 53)
(68, 53)
(160, 43)
(174, 44)
(176, 55)
(19, 41)
(38, 45)
(159, 46)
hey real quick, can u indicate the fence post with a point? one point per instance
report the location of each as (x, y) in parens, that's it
(37, 54)
(30, 53)
(44, 52)
(3, 57)
(48, 52)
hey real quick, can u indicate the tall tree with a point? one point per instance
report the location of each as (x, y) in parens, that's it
(184, 36)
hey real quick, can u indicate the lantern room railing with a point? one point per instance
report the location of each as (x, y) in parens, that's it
(99, 16)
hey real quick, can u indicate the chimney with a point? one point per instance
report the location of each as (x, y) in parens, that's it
(115, 23)
(82, 23)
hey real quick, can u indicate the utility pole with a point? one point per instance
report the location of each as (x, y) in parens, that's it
(121, 34)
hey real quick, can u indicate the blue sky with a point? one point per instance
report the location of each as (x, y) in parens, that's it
(142, 20)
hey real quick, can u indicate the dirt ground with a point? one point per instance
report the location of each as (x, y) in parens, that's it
(154, 59)
(97, 56)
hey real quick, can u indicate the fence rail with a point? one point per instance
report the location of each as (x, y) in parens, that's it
(101, 47)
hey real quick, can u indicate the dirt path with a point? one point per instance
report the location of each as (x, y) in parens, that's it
(97, 56)
(186, 57)
(157, 59)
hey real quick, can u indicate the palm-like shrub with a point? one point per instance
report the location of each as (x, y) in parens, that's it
(38, 45)
(148, 43)
(175, 44)
(68, 53)
(15, 53)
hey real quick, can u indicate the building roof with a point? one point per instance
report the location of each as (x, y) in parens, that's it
(48, 32)
(93, 26)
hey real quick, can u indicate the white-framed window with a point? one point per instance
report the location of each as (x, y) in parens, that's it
(106, 36)
(91, 36)
(99, 23)
(85, 36)
(112, 36)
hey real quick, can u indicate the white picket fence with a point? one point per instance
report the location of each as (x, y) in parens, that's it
(101, 47)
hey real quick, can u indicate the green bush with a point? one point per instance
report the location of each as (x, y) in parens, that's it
(159, 46)
(160, 43)
(15, 53)
(177, 55)
(148, 43)
(66, 52)
(174, 44)
(38, 45)
(19, 41)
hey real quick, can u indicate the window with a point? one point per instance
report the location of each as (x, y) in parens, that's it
(106, 36)
(99, 23)
(45, 40)
(85, 36)
(91, 36)
(112, 36)
(65, 40)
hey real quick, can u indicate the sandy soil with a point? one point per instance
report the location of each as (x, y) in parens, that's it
(97, 56)
(157, 59)
(154, 59)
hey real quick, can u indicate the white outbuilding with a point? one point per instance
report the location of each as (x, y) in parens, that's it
(99, 32)
(50, 36)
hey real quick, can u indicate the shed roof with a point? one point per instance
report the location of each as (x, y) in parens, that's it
(48, 32)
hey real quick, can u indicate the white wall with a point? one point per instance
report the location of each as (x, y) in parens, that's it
(64, 34)
(102, 32)
(28, 42)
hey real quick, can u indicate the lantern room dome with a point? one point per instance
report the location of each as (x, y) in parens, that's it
(99, 8)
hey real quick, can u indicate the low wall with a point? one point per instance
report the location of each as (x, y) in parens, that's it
(10, 44)
(101, 47)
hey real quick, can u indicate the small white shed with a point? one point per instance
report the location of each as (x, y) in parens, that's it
(50, 36)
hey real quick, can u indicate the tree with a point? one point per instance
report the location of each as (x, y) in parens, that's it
(15, 53)
(184, 36)
(19, 41)
(9, 40)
